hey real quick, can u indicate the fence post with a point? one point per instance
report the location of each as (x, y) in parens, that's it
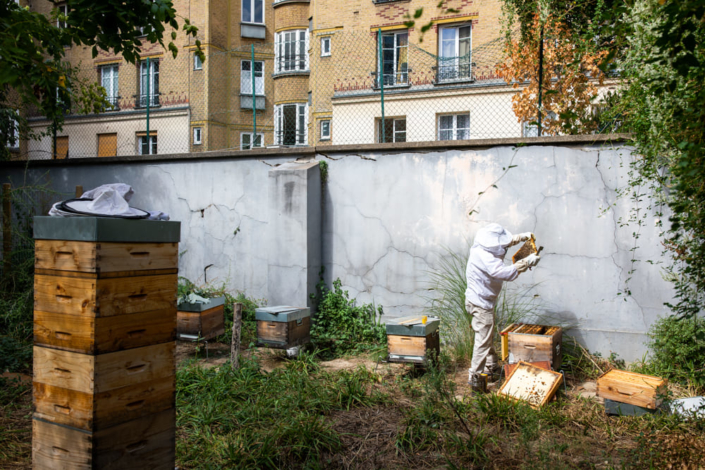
(540, 77)
(254, 101)
(149, 141)
(380, 77)
(6, 229)
(79, 191)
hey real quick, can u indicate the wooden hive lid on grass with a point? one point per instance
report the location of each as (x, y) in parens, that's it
(412, 326)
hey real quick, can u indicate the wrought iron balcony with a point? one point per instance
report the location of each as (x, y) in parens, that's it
(141, 100)
(399, 79)
(454, 72)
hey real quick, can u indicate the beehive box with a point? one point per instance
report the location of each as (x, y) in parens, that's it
(533, 343)
(283, 327)
(632, 388)
(204, 321)
(104, 331)
(146, 442)
(535, 385)
(409, 340)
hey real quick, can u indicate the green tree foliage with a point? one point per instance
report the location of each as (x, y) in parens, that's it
(33, 74)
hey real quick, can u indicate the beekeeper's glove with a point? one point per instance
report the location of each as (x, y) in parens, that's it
(532, 260)
(523, 264)
(521, 237)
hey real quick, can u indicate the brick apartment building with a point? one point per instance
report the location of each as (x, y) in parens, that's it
(316, 80)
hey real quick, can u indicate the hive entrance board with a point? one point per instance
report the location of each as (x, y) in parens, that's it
(531, 384)
(529, 248)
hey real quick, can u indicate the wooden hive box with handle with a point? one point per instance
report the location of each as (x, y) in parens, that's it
(409, 340)
(204, 321)
(104, 335)
(283, 327)
(533, 343)
(632, 388)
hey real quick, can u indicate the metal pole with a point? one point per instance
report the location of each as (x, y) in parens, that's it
(254, 101)
(149, 76)
(540, 78)
(380, 77)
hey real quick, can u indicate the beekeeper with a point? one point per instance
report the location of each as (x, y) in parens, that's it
(485, 274)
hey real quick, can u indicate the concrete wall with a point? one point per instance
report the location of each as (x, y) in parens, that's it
(389, 211)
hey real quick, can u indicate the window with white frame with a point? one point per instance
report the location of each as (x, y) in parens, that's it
(325, 129)
(291, 124)
(149, 83)
(11, 137)
(325, 47)
(246, 77)
(391, 130)
(530, 129)
(63, 10)
(454, 58)
(246, 140)
(197, 135)
(109, 75)
(454, 127)
(253, 11)
(395, 59)
(291, 51)
(148, 145)
(197, 62)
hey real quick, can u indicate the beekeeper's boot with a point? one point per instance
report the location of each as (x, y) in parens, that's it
(478, 384)
(492, 371)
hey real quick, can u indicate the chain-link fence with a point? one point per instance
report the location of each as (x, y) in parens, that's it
(331, 87)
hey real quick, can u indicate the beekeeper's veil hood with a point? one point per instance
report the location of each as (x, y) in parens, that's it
(494, 238)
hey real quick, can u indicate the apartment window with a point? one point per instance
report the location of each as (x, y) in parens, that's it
(62, 147)
(147, 145)
(149, 81)
(253, 11)
(63, 10)
(395, 62)
(246, 77)
(454, 61)
(393, 130)
(11, 137)
(530, 129)
(107, 145)
(325, 47)
(197, 135)
(325, 129)
(109, 80)
(291, 51)
(197, 63)
(291, 124)
(454, 127)
(246, 140)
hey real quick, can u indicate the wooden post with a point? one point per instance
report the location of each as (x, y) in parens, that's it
(235, 343)
(79, 191)
(6, 229)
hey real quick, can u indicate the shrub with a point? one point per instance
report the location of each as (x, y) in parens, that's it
(340, 326)
(677, 350)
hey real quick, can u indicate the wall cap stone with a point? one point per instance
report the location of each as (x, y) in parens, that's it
(325, 150)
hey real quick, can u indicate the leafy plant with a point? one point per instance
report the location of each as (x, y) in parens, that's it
(340, 326)
(677, 350)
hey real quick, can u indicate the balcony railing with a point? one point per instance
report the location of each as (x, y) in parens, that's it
(292, 63)
(392, 79)
(141, 100)
(453, 72)
(114, 103)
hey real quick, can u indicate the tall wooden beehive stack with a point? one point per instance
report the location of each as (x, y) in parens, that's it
(104, 338)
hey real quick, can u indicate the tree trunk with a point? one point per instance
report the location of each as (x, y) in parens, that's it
(235, 343)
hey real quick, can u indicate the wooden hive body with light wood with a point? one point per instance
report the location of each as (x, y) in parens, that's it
(533, 343)
(410, 340)
(632, 388)
(104, 336)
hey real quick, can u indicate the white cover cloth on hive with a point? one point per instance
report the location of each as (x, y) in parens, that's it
(107, 200)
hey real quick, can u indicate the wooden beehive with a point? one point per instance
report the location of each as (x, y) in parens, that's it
(283, 327)
(104, 332)
(632, 388)
(533, 343)
(202, 321)
(409, 340)
(532, 384)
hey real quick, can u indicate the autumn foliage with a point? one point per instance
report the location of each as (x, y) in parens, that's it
(571, 77)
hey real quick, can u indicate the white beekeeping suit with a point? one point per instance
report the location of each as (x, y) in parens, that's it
(485, 274)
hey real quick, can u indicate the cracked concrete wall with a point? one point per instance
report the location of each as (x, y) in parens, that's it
(388, 217)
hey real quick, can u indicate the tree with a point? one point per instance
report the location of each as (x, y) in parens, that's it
(569, 77)
(32, 48)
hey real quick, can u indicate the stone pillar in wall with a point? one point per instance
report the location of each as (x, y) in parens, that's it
(294, 233)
